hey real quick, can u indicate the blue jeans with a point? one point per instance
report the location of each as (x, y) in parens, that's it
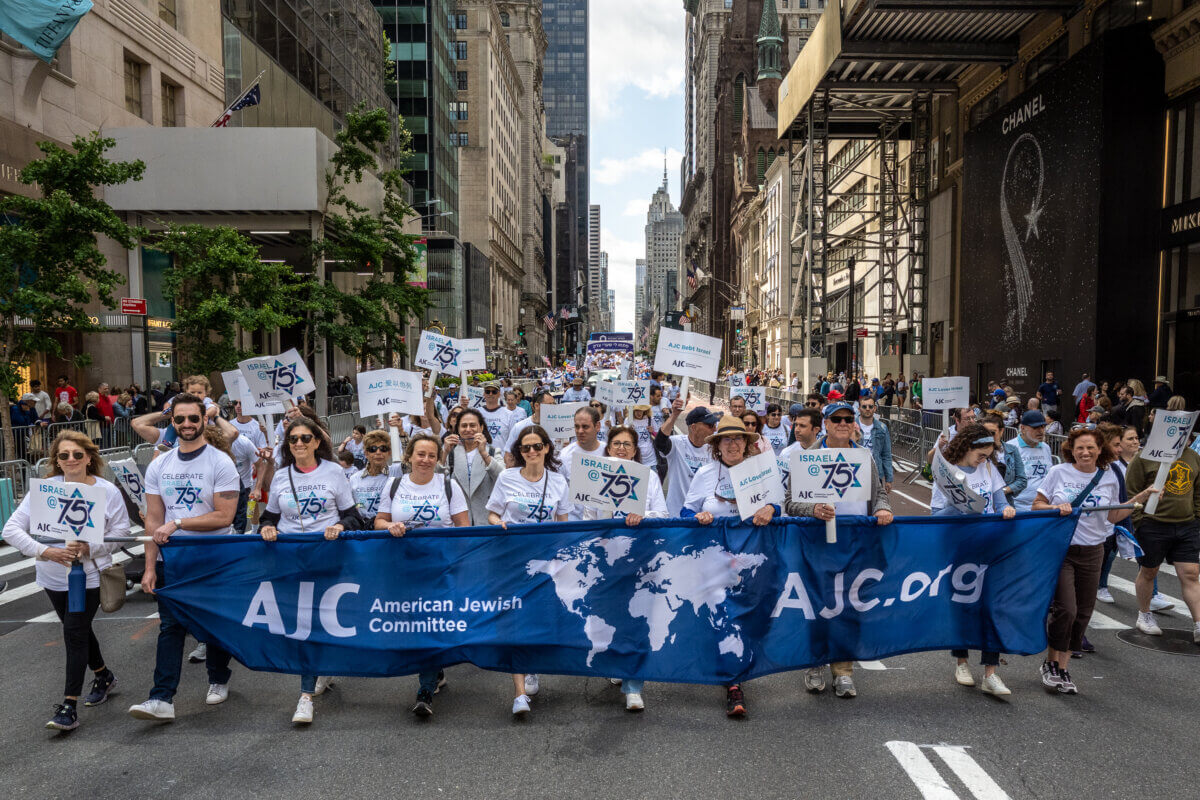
(308, 684)
(168, 662)
(632, 686)
(986, 659)
(239, 516)
(429, 681)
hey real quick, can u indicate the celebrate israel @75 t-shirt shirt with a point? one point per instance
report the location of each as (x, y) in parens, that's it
(367, 490)
(423, 506)
(314, 504)
(519, 502)
(1064, 483)
(188, 483)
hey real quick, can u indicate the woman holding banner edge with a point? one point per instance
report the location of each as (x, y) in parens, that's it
(529, 493)
(711, 495)
(74, 458)
(308, 493)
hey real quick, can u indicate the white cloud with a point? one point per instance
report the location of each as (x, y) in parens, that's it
(648, 163)
(636, 207)
(635, 43)
(622, 276)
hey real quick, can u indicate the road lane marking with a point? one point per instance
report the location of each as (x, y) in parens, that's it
(1104, 623)
(1123, 585)
(909, 498)
(970, 773)
(921, 771)
(930, 783)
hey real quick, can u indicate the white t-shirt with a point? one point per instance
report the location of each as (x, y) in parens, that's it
(52, 575)
(410, 429)
(574, 395)
(1038, 461)
(520, 502)
(367, 490)
(189, 482)
(659, 414)
(355, 448)
(682, 463)
(1064, 483)
(867, 432)
(423, 506)
(251, 430)
(711, 490)
(515, 415)
(499, 423)
(317, 498)
(985, 481)
(244, 454)
(776, 437)
(645, 441)
(567, 456)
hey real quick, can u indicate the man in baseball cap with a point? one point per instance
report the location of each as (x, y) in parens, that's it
(684, 452)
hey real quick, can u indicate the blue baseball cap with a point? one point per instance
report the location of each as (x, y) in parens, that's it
(702, 415)
(832, 408)
(795, 409)
(1034, 419)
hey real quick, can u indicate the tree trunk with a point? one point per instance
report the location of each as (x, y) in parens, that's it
(10, 445)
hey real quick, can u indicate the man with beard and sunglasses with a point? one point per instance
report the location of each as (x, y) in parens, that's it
(191, 489)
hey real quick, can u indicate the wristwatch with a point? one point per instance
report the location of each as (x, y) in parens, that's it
(178, 523)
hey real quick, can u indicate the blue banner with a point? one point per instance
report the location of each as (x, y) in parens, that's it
(42, 25)
(669, 600)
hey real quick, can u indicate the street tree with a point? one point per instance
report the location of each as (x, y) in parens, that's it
(51, 264)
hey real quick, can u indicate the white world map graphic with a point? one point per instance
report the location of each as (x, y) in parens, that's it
(700, 578)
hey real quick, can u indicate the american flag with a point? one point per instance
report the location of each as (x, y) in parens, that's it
(252, 97)
(691, 276)
(564, 313)
(546, 359)
(550, 321)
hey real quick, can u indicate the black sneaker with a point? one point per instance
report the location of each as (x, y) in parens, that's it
(1066, 685)
(65, 718)
(1051, 677)
(424, 705)
(735, 701)
(101, 687)
(442, 682)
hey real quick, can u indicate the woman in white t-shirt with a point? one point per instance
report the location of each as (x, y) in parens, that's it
(74, 458)
(422, 499)
(1083, 481)
(529, 493)
(367, 483)
(774, 431)
(309, 493)
(970, 452)
(643, 425)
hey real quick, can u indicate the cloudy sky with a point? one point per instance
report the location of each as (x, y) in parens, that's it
(636, 55)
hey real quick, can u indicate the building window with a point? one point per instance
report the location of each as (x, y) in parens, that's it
(504, 20)
(1048, 59)
(458, 51)
(460, 21)
(460, 140)
(458, 109)
(170, 99)
(462, 81)
(987, 104)
(167, 13)
(133, 86)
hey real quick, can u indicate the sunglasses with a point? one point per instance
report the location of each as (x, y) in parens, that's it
(536, 447)
(597, 405)
(192, 418)
(841, 420)
(378, 449)
(491, 391)
(78, 455)
(300, 437)
(812, 404)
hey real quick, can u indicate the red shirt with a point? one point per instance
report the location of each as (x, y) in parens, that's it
(65, 394)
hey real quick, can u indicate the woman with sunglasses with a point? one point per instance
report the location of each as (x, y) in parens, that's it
(367, 483)
(529, 493)
(422, 499)
(473, 462)
(605, 421)
(623, 444)
(74, 458)
(711, 495)
(774, 431)
(643, 425)
(308, 493)
(754, 424)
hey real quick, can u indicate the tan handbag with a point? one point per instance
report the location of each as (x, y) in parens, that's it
(112, 588)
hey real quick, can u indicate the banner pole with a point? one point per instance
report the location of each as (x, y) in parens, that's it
(1160, 481)
(831, 529)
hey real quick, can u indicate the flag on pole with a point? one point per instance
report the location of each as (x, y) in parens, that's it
(564, 313)
(42, 25)
(250, 97)
(691, 275)
(550, 321)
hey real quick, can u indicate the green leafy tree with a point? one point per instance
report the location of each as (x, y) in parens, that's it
(221, 290)
(51, 265)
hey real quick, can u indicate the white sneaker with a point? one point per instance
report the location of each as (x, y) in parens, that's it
(962, 674)
(814, 679)
(153, 709)
(1104, 595)
(993, 685)
(615, 681)
(843, 686)
(521, 706)
(304, 711)
(323, 683)
(217, 693)
(531, 685)
(1160, 603)
(199, 654)
(1146, 624)
(633, 702)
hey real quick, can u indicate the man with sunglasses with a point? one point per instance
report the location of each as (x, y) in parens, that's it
(877, 438)
(190, 489)
(839, 428)
(498, 419)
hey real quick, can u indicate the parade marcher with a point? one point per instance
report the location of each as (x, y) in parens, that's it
(74, 458)
(530, 492)
(248, 426)
(806, 432)
(877, 438)
(1008, 464)
(685, 453)
(367, 484)
(1171, 533)
(710, 495)
(737, 405)
(774, 431)
(660, 409)
(191, 489)
(577, 393)
(246, 455)
(309, 493)
(642, 426)
(513, 406)
(474, 462)
(1083, 480)
(754, 424)
(839, 422)
(496, 417)
(422, 499)
(587, 431)
(1125, 449)
(1031, 449)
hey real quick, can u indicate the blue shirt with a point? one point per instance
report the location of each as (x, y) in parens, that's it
(1049, 393)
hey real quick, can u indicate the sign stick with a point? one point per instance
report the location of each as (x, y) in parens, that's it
(433, 376)
(831, 530)
(394, 437)
(266, 420)
(946, 423)
(462, 389)
(1160, 480)
(683, 389)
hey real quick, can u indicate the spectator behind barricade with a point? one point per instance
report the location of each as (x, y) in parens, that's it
(156, 396)
(1134, 406)
(65, 392)
(1161, 394)
(123, 407)
(23, 413)
(43, 403)
(94, 420)
(104, 402)
(140, 401)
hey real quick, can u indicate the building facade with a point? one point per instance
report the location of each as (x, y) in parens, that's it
(664, 232)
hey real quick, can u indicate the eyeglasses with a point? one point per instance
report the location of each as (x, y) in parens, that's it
(621, 444)
(596, 405)
(536, 447)
(842, 420)
(300, 437)
(750, 424)
(378, 449)
(192, 418)
(77, 455)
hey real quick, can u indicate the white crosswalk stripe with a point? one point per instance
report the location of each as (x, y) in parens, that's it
(16, 593)
(930, 783)
(1123, 585)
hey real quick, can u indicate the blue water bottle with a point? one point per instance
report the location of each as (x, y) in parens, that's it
(76, 589)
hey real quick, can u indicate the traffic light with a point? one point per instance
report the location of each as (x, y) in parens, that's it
(521, 331)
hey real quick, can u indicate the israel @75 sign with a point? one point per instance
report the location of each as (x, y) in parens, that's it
(609, 484)
(67, 511)
(281, 377)
(831, 476)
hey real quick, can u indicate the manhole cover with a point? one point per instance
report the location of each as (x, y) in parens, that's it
(1172, 641)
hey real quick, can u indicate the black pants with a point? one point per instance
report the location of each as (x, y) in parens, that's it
(83, 650)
